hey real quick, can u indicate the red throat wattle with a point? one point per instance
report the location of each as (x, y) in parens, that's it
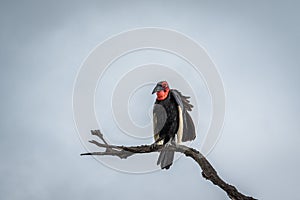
(162, 94)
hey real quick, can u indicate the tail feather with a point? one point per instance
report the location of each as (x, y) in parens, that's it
(166, 157)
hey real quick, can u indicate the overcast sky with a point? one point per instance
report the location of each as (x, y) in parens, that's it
(254, 44)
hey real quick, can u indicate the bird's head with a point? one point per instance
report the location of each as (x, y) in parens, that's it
(162, 90)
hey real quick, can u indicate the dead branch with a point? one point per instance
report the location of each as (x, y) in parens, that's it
(208, 172)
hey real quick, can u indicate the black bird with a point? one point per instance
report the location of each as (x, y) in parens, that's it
(171, 119)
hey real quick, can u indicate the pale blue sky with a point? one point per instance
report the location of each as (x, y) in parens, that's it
(255, 45)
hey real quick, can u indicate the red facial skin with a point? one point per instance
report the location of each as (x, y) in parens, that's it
(162, 94)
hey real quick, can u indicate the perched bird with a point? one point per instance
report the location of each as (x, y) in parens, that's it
(171, 120)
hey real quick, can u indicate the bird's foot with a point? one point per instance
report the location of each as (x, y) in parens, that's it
(153, 146)
(170, 143)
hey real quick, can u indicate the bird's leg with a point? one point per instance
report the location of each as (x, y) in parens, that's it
(172, 141)
(159, 141)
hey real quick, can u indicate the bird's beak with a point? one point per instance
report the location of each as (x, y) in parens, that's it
(157, 88)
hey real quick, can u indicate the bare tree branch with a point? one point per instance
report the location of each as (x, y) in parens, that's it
(208, 172)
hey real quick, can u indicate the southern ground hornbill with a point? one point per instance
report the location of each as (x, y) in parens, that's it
(171, 120)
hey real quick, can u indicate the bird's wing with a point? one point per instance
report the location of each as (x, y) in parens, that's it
(182, 101)
(186, 130)
(159, 119)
